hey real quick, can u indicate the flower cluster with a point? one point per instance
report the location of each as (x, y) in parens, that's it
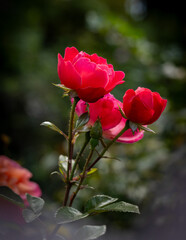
(17, 178)
(92, 79)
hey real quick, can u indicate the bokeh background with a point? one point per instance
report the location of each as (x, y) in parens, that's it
(146, 40)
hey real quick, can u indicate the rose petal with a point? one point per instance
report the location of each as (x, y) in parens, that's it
(139, 113)
(70, 53)
(90, 94)
(127, 100)
(19, 173)
(159, 106)
(68, 74)
(146, 97)
(117, 79)
(91, 75)
(126, 137)
(107, 111)
(95, 58)
(17, 178)
(81, 107)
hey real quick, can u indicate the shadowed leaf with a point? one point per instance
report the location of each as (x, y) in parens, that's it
(7, 193)
(68, 214)
(89, 232)
(29, 215)
(36, 203)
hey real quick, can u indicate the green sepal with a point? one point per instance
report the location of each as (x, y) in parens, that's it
(122, 113)
(94, 142)
(133, 126)
(146, 129)
(62, 87)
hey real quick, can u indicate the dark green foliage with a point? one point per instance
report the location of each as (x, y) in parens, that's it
(8, 194)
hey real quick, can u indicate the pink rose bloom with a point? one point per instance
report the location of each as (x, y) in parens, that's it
(143, 106)
(90, 76)
(107, 110)
(17, 178)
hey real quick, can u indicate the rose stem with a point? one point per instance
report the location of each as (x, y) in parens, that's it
(70, 150)
(108, 145)
(82, 177)
(78, 158)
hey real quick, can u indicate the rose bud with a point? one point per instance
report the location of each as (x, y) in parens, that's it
(143, 106)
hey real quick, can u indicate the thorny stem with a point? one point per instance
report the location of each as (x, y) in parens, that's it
(70, 137)
(82, 177)
(70, 150)
(68, 187)
(108, 145)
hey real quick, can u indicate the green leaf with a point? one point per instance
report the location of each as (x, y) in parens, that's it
(89, 232)
(63, 163)
(133, 126)
(11, 196)
(82, 120)
(55, 172)
(68, 214)
(29, 215)
(118, 207)
(36, 203)
(98, 201)
(53, 127)
(92, 171)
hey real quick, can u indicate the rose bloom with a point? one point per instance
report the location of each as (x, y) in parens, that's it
(88, 75)
(107, 110)
(17, 178)
(143, 106)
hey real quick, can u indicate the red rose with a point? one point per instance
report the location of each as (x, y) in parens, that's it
(143, 106)
(89, 75)
(112, 122)
(17, 178)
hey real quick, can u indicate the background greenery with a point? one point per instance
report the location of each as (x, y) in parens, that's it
(145, 39)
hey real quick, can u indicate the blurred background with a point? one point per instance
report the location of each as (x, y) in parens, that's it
(146, 40)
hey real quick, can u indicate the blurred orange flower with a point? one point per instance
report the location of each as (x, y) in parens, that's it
(17, 178)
